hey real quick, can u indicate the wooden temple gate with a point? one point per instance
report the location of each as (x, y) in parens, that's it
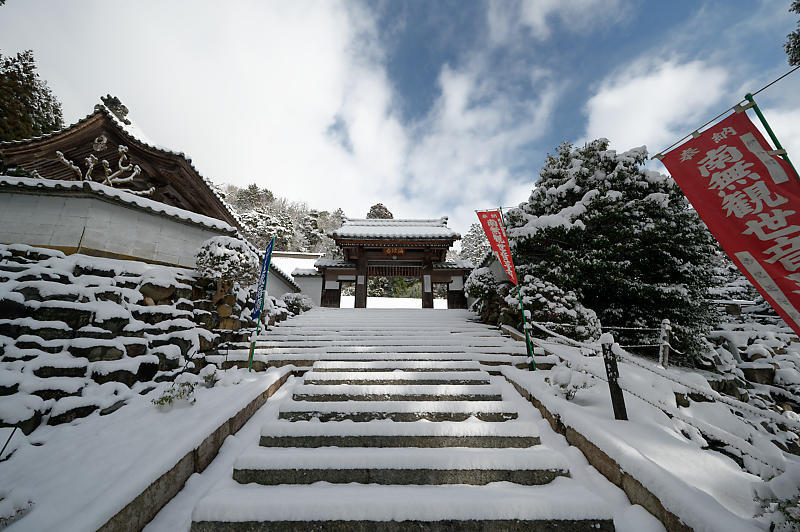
(394, 248)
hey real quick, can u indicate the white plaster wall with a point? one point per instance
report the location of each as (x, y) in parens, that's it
(50, 220)
(276, 286)
(311, 286)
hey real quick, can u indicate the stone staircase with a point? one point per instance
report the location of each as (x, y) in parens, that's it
(400, 424)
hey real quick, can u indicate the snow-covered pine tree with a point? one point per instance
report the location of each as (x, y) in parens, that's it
(379, 210)
(474, 244)
(28, 108)
(250, 197)
(260, 226)
(497, 302)
(792, 45)
(621, 237)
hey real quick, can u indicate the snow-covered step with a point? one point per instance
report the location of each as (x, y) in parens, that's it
(271, 466)
(397, 365)
(363, 411)
(394, 377)
(396, 392)
(396, 349)
(370, 355)
(307, 343)
(564, 504)
(386, 433)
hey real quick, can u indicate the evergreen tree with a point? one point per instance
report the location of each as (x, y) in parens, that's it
(622, 238)
(260, 226)
(379, 287)
(474, 245)
(792, 45)
(379, 210)
(252, 197)
(28, 107)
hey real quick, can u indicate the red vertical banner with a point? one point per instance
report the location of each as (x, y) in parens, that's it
(492, 222)
(750, 200)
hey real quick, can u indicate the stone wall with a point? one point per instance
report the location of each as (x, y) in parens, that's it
(71, 324)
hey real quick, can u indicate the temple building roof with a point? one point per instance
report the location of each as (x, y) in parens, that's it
(389, 229)
(102, 135)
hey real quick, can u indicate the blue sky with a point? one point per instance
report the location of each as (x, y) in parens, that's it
(431, 107)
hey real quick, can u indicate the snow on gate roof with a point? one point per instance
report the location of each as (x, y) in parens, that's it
(375, 228)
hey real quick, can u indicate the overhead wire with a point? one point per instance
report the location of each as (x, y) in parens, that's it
(731, 108)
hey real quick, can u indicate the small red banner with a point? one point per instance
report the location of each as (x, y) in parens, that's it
(492, 223)
(750, 200)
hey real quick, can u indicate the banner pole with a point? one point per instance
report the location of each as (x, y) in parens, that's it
(261, 308)
(521, 306)
(775, 141)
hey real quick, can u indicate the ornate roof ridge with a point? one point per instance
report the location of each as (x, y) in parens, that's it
(101, 109)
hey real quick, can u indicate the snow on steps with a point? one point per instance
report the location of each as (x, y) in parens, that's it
(561, 505)
(391, 377)
(399, 466)
(330, 464)
(395, 392)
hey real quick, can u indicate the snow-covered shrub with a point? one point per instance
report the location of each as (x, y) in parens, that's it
(544, 302)
(623, 238)
(209, 375)
(228, 260)
(297, 303)
(180, 391)
(177, 391)
(566, 382)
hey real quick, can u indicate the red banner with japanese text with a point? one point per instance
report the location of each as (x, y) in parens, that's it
(492, 222)
(750, 201)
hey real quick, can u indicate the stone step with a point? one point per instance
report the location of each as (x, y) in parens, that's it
(362, 411)
(395, 392)
(378, 381)
(454, 349)
(402, 466)
(390, 434)
(565, 505)
(380, 342)
(394, 365)
(393, 376)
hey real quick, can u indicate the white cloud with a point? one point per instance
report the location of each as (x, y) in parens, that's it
(467, 147)
(537, 17)
(292, 96)
(653, 102)
(785, 123)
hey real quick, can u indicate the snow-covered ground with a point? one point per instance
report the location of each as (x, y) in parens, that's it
(77, 476)
(392, 302)
(666, 447)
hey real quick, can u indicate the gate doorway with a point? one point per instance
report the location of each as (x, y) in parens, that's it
(407, 249)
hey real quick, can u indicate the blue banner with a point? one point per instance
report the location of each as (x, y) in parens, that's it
(262, 281)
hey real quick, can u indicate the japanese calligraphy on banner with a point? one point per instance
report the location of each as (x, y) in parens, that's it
(492, 223)
(750, 200)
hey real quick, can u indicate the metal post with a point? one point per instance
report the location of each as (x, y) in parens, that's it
(775, 141)
(529, 347)
(663, 350)
(612, 372)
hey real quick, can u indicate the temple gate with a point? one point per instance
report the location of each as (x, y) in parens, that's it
(394, 248)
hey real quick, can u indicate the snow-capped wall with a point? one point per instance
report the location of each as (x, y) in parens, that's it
(96, 225)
